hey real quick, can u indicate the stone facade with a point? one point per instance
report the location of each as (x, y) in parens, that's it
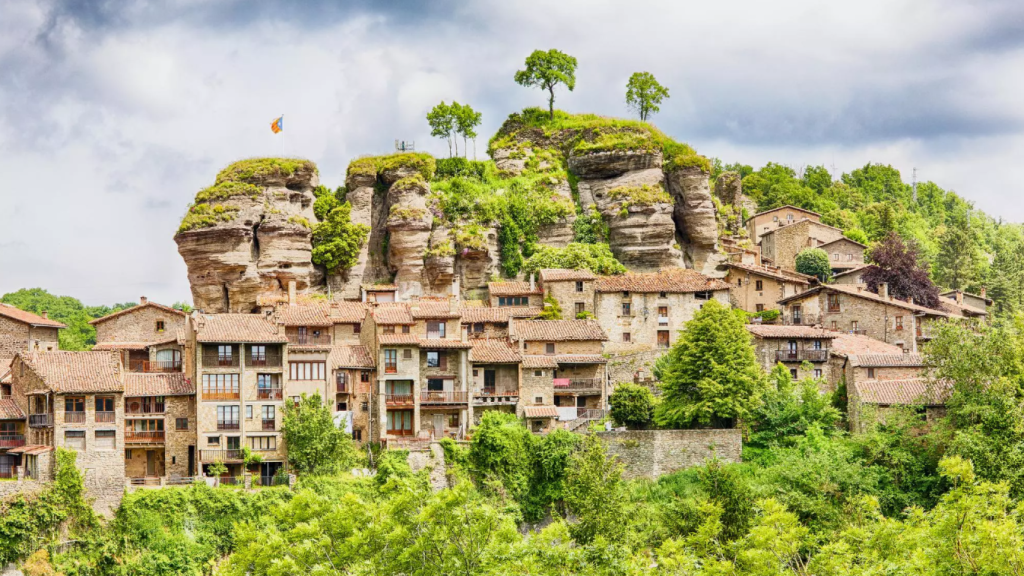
(844, 254)
(573, 296)
(794, 353)
(645, 320)
(755, 291)
(146, 322)
(652, 453)
(780, 246)
(18, 336)
(760, 224)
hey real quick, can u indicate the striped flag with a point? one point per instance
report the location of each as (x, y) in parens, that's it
(277, 125)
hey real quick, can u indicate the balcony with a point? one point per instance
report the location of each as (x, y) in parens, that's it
(155, 366)
(143, 408)
(801, 355)
(398, 399)
(106, 417)
(267, 360)
(220, 455)
(391, 368)
(227, 425)
(40, 420)
(454, 397)
(269, 394)
(435, 334)
(341, 385)
(309, 339)
(144, 437)
(12, 440)
(858, 332)
(74, 417)
(492, 397)
(220, 360)
(270, 424)
(575, 384)
(220, 395)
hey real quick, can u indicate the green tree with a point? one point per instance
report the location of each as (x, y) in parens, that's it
(814, 262)
(336, 239)
(632, 405)
(502, 446)
(595, 493)
(316, 445)
(552, 309)
(466, 121)
(79, 334)
(546, 70)
(442, 120)
(710, 375)
(644, 94)
(597, 258)
(183, 306)
(958, 256)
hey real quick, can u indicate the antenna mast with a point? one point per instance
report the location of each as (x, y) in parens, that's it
(915, 185)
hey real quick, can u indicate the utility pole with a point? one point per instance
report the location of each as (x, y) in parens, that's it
(915, 185)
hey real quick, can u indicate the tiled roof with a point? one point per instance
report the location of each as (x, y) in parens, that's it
(843, 239)
(494, 352)
(772, 272)
(581, 359)
(540, 412)
(65, 372)
(887, 360)
(147, 304)
(380, 287)
(349, 356)
(781, 331)
(854, 344)
(392, 313)
(862, 268)
(539, 361)
(30, 449)
(964, 310)
(312, 314)
(242, 328)
(497, 314)
(28, 317)
(348, 312)
(512, 289)
(866, 295)
(9, 410)
(788, 206)
(432, 309)
(952, 295)
(674, 280)
(399, 340)
(5, 370)
(911, 391)
(444, 344)
(564, 275)
(558, 330)
(132, 345)
(139, 384)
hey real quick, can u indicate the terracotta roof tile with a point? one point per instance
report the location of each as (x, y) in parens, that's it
(843, 239)
(351, 356)
(139, 384)
(772, 272)
(788, 206)
(854, 344)
(28, 317)
(65, 372)
(432, 309)
(348, 312)
(494, 352)
(866, 295)
(380, 288)
(137, 308)
(9, 410)
(497, 314)
(853, 270)
(539, 361)
(557, 330)
(963, 310)
(784, 331)
(399, 340)
(951, 294)
(512, 289)
(5, 370)
(565, 275)
(911, 391)
(674, 280)
(540, 412)
(132, 345)
(392, 313)
(240, 328)
(887, 360)
(30, 449)
(581, 359)
(444, 344)
(312, 314)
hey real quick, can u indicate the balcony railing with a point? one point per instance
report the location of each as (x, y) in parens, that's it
(270, 424)
(268, 360)
(220, 395)
(40, 420)
(309, 339)
(135, 408)
(576, 384)
(391, 368)
(12, 440)
(74, 417)
(859, 332)
(435, 334)
(453, 397)
(591, 413)
(269, 394)
(801, 355)
(143, 437)
(220, 455)
(106, 416)
(220, 361)
(155, 365)
(227, 424)
(398, 399)
(492, 396)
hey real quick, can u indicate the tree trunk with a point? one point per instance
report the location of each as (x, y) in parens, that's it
(449, 146)
(456, 138)
(551, 102)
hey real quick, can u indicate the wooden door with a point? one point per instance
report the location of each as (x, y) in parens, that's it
(439, 426)
(489, 380)
(150, 462)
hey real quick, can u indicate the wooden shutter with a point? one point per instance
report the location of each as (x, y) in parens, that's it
(442, 360)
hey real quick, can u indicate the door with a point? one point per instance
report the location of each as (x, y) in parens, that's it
(150, 462)
(489, 380)
(438, 425)
(792, 350)
(191, 461)
(662, 338)
(581, 407)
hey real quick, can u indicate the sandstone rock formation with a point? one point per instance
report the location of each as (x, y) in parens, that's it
(729, 189)
(695, 218)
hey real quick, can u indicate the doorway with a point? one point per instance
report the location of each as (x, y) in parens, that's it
(438, 426)
(150, 463)
(489, 381)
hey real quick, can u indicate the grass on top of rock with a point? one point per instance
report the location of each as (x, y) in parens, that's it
(300, 220)
(376, 165)
(471, 236)
(597, 258)
(399, 212)
(645, 195)
(206, 216)
(258, 168)
(227, 189)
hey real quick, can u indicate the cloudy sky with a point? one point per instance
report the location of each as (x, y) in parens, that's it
(114, 113)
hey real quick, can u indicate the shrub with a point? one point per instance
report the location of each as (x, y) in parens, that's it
(259, 168)
(315, 444)
(632, 405)
(552, 309)
(206, 215)
(814, 262)
(646, 195)
(597, 258)
(336, 240)
(227, 189)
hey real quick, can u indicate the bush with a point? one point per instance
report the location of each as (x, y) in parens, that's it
(597, 258)
(315, 445)
(814, 262)
(632, 405)
(255, 169)
(552, 309)
(336, 240)
(206, 216)
(452, 167)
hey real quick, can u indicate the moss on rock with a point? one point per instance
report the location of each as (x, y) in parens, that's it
(256, 169)
(227, 189)
(420, 162)
(206, 216)
(645, 195)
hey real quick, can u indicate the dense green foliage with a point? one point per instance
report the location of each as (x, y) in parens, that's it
(79, 334)
(552, 309)
(206, 215)
(315, 445)
(374, 166)
(632, 405)
(597, 258)
(814, 262)
(254, 170)
(336, 240)
(644, 93)
(546, 70)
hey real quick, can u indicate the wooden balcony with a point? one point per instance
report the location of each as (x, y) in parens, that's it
(144, 437)
(74, 417)
(576, 384)
(40, 420)
(211, 396)
(309, 339)
(209, 456)
(269, 424)
(138, 408)
(452, 397)
(269, 394)
(227, 425)
(155, 366)
(801, 355)
(491, 397)
(268, 360)
(220, 361)
(399, 399)
(106, 417)
(12, 440)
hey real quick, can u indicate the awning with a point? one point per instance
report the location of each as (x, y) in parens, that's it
(540, 412)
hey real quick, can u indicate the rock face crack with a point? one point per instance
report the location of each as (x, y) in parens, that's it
(256, 240)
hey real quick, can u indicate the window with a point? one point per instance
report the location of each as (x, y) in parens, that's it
(405, 329)
(74, 404)
(833, 302)
(549, 348)
(390, 361)
(899, 322)
(792, 373)
(739, 281)
(357, 328)
(407, 354)
(364, 376)
(580, 308)
(268, 381)
(626, 336)
(579, 286)
(835, 255)
(399, 421)
(248, 411)
(307, 370)
(854, 325)
(478, 327)
(258, 354)
(758, 285)
(797, 315)
(871, 372)
(513, 301)
(662, 312)
(213, 441)
(662, 294)
(775, 218)
(268, 413)
(538, 372)
(227, 417)
(264, 443)
(625, 294)
(74, 439)
(536, 426)
(433, 360)
(759, 307)
(295, 400)
(436, 329)
(703, 295)
(453, 420)
(435, 385)
(220, 384)
(104, 404)
(817, 372)
(234, 443)
(159, 325)
(817, 344)
(181, 423)
(835, 325)
(538, 399)
(224, 354)
(106, 440)
(627, 309)
(357, 435)
(389, 330)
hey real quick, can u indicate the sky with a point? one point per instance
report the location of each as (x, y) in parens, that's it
(114, 113)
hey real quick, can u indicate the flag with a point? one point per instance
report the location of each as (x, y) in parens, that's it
(277, 125)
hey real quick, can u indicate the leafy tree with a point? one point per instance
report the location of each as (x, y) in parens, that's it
(502, 446)
(336, 240)
(315, 444)
(958, 255)
(814, 262)
(442, 120)
(552, 309)
(466, 121)
(899, 264)
(79, 334)
(790, 409)
(710, 375)
(632, 405)
(183, 306)
(725, 486)
(597, 258)
(595, 493)
(644, 94)
(546, 70)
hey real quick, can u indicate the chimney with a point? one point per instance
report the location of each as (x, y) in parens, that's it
(959, 298)
(982, 292)
(883, 290)
(143, 300)
(46, 314)
(465, 333)
(291, 292)
(533, 282)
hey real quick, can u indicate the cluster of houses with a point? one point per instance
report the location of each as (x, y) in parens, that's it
(164, 394)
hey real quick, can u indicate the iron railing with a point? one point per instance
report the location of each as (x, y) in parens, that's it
(269, 393)
(220, 455)
(811, 355)
(155, 365)
(227, 425)
(136, 407)
(309, 339)
(270, 359)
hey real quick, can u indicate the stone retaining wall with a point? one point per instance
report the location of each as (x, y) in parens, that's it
(653, 453)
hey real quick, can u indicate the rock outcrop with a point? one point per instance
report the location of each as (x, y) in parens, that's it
(248, 236)
(695, 218)
(729, 189)
(409, 224)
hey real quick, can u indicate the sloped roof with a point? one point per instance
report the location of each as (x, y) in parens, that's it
(771, 272)
(134, 345)
(558, 330)
(494, 352)
(565, 275)
(952, 294)
(512, 289)
(785, 331)
(843, 239)
(887, 360)
(67, 372)
(399, 340)
(238, 328)
(345, 312)
(444, 344)
(29, 318)
(310, 314)
(9, 410)
(786, 207)
(540, 412)
(963, 310)
(432, 309)
(674, 280)
(137, 308)
(387, 313)
(173, 384)
(539, 361)
(350, 356)
(380, 287)
(855, 344)
(866, 295)
(497, 314)
(910, 391)
(580, 359)
(861, 268)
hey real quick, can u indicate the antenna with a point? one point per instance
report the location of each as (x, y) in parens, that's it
(915, 185)
(403, 146)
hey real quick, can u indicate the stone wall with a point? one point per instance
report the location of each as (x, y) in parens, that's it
(763, 223)
(140, 326)
(567, 296)
(653, 453)
(744, 292)
(644, 322)
(783, 244)
(13, 337)
(624, 367)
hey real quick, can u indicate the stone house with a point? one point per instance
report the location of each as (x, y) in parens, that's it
(563, 370)
(978, 302)
(740, 251)
(871, 400)
(572, 289)
(147, 336)
(756, 288)
(515, 294)
(845, 346)
(379, 292)
(159, 427)
(793, 347)
(22, 331)
(491, 323)
(353, 373)
(844, 254)
(854, 309)
(12, 434)
(779, 247)
(495, 371)
(764, 222)
(852, 276)
(644, 311)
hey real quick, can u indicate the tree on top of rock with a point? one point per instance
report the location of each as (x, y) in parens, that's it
(466, 121)
(899, 264)
(546, 70)
(442, 124)
(644, 93)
